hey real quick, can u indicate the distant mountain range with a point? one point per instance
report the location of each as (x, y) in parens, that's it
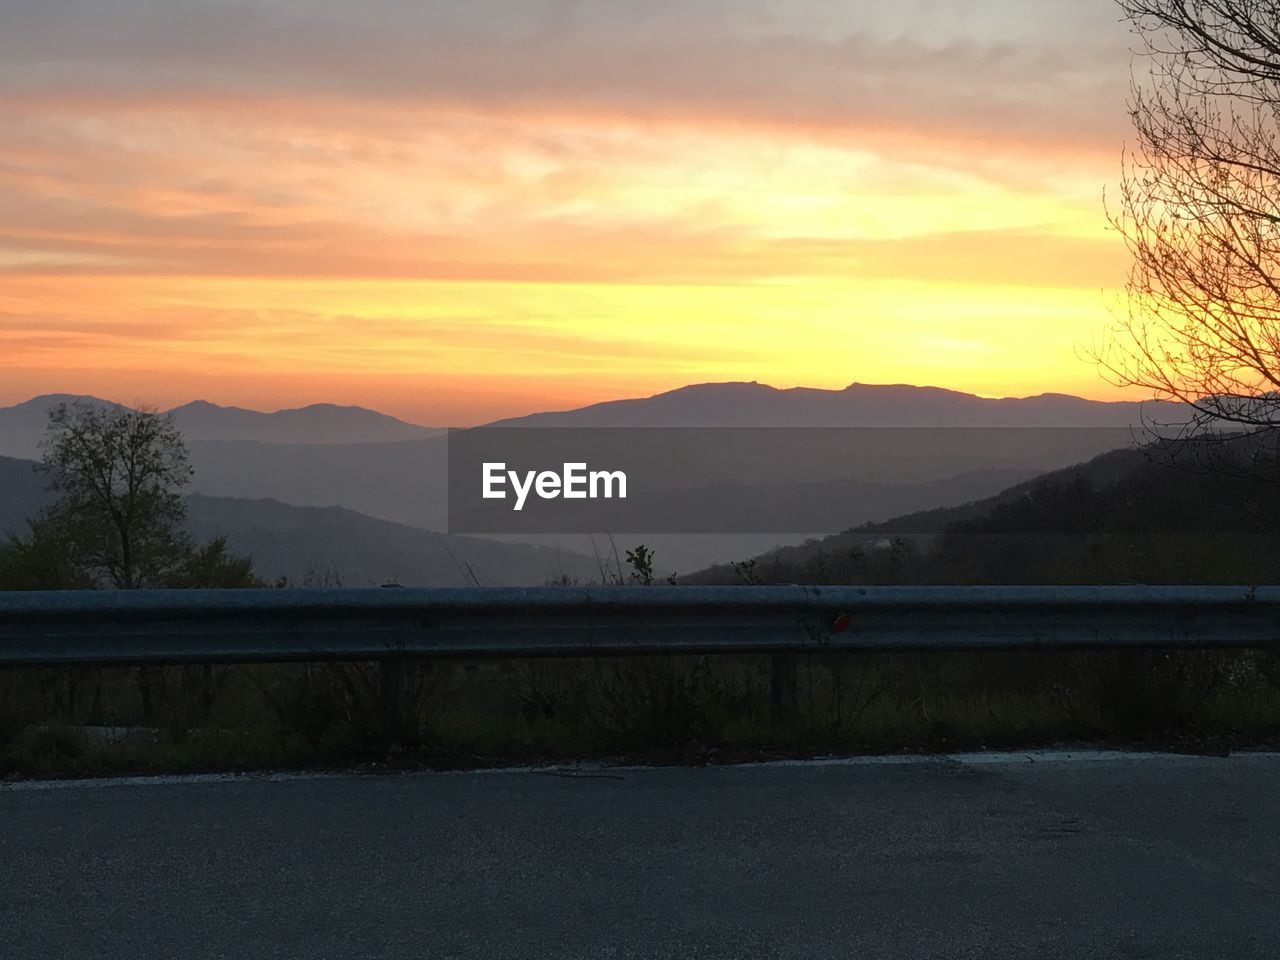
(857, 405)
(698, 405)
(316, 423)
(22, 425)
(326, 456)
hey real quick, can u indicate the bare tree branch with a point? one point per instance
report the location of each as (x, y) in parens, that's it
(1200, 212)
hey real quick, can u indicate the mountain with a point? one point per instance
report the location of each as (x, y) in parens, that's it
(706, 404)
(332, 545)
(319, 423)
(857, 405)
(405, 482)
(22, 494)
(22, 425)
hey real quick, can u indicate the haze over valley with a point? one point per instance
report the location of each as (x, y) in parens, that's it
(353, 493)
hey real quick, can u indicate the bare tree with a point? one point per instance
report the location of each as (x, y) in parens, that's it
(1200, 213)
(119, 474)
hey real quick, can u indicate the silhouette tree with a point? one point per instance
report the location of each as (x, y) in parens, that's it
(118, 515)
(1200, 213)
(118, 474)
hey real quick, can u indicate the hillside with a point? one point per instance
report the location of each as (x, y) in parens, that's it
(341, 547)
(21, 494)
(1124, 516)
(332, 544)
(404, 481)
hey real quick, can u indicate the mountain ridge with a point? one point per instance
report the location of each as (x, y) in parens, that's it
(751, 403)
(713, 403)
(22, 424)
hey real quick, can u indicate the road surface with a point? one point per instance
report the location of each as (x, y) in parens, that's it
(1095, 856)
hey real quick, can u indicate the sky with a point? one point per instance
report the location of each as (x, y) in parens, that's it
(454, 210)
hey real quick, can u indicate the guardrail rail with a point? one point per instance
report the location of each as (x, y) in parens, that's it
(242, 626)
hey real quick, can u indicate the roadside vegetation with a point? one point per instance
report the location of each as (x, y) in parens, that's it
(673, 709)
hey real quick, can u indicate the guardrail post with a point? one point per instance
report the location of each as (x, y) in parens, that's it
(393, 692)
(782, 687)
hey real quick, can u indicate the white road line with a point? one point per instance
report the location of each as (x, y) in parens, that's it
(596, 769)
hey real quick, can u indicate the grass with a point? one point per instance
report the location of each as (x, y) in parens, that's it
(655, 709)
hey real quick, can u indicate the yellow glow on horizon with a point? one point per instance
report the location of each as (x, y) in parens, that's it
(470, 266)
(559, 341)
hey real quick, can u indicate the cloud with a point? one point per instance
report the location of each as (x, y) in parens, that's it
(458, 197)
(749, 62)
(87, 240)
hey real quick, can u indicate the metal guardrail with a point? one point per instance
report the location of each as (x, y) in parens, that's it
(195, 626)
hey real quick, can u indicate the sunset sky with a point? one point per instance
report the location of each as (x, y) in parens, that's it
(452, 210)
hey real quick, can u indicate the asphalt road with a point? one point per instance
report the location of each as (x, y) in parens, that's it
(1108, 858)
